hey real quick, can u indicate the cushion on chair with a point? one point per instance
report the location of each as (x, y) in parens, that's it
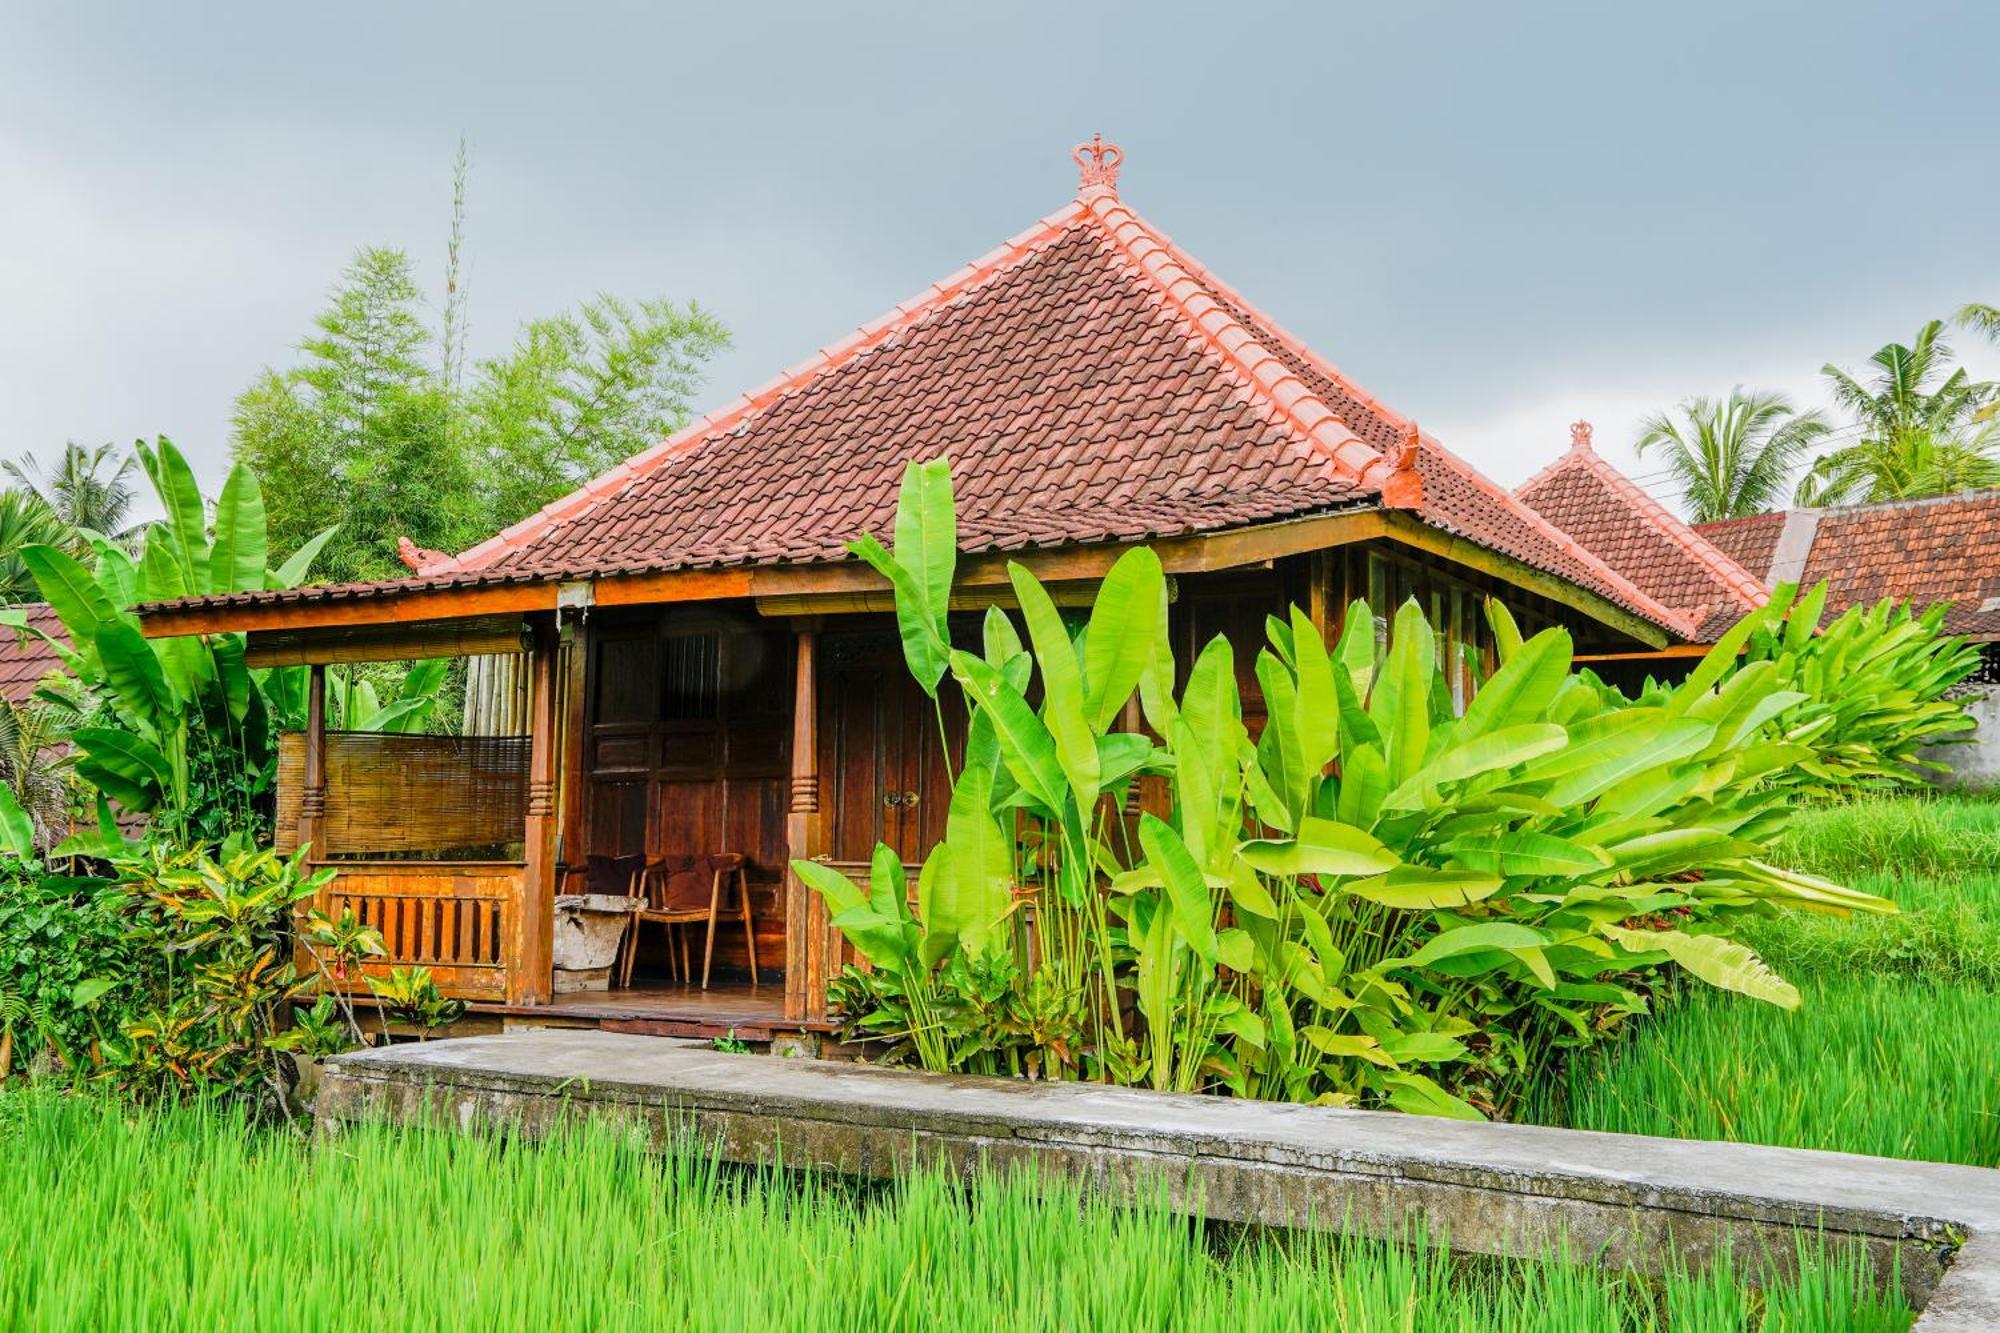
(612, 874)
(689, 882)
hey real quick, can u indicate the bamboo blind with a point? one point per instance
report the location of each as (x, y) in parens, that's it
(467, 636)
(388, 793)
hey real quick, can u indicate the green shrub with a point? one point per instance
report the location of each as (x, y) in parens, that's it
(71, 970)
(1881, 1065)
(1375, 901)
(184, 1220)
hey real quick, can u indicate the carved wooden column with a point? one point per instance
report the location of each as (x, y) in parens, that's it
(530, 976)
(811, 944)
(312, 794)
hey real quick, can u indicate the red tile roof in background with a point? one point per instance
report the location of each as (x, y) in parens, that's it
(26, 658)
(1090, 383)
(1750, 541)
(1945, 549)
(1629, 530)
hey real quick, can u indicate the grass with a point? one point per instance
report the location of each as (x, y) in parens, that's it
(186, 1219)
(1930, 836)
(1893, 1050)
(1888, 1066)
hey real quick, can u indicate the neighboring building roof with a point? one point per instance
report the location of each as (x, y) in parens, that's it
(1091, 384)
(1750, 541)
(1944, 549)
(1629, 530)
(26, 658)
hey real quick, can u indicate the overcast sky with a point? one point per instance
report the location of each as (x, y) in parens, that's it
(1496, 217)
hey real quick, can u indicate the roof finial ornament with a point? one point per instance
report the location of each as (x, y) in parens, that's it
(1098, 162)
(1579, 435)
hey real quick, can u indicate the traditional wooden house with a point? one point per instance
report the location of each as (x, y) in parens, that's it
(709, 673)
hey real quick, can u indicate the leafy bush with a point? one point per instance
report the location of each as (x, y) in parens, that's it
(1374, 901)
(223, 1024)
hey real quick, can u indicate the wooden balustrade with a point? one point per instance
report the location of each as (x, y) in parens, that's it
(455, 918)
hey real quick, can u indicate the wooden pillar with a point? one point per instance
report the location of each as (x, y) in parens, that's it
(312, 796)
(811, 944)
(530, 974)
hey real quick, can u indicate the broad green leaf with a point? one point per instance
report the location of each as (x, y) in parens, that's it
(1420, 888)
(1322, 847)
(1400, 708)
(1000, 641)
(976, 889)
(297, 565)
(1347, 1046)
(1355, 652)
(1719, 961)
(1318, 709)
(237, 561)
(1125, 626)
(1506, 634)
(133, 672)
(1063, 704)
(186, 526)
(1524, 852)
(17, 830)
(1470, 939)
(131, 756)
(1413, 1094)
(1025, 744)
(1187, 890)
(1278, 752)
(1499, 749)
(924, 646)
(69, 588)
(1520, 691)
(927, 535)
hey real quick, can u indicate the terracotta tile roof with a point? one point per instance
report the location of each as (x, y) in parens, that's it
(1629, 530)
(1090, 383)
(1750, 542)
(26, 658)
(1943, 549)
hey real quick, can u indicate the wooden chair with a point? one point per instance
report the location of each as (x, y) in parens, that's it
(684, 890)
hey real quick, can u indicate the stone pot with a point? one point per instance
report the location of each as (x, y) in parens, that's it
(588, 929)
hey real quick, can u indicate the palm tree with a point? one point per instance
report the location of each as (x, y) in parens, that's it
(78, 489)
(25, 520)
(1922, 423)
(1732, 456)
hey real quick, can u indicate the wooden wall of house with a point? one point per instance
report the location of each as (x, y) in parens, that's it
(687, 738)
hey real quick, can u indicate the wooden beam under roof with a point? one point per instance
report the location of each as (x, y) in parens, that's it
(797, 588)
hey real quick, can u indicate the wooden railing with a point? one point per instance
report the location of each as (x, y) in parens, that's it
(455, 918)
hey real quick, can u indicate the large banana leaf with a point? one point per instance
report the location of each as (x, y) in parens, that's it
(1127, 624)
(236, 562)
(1715, 959)
(1064, 707)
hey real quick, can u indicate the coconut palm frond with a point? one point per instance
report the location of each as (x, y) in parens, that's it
(1732, 456)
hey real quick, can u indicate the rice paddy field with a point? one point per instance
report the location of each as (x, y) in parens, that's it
(192, 1220)
(1896, 1048)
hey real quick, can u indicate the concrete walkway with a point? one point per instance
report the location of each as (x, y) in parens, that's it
(1497, 1189)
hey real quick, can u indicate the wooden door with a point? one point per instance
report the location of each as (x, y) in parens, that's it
(880, 749)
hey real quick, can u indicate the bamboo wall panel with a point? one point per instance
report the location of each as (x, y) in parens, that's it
(450, 918)
(425, 794)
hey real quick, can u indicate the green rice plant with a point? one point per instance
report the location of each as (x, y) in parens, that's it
(1886, 1066)
(1947, 931)
(1911, 836)
(191, 1218)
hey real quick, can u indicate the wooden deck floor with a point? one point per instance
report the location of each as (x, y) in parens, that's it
(664, 1009)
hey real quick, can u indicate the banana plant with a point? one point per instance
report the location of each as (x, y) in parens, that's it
(183, 717)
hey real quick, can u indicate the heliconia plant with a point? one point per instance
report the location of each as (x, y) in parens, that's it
(1372, 901)
(1877, 681)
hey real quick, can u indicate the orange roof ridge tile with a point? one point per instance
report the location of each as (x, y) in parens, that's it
(1291, 342)
(1679, 621)
(903, 314)
(1747, 587)
(1149, 253)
